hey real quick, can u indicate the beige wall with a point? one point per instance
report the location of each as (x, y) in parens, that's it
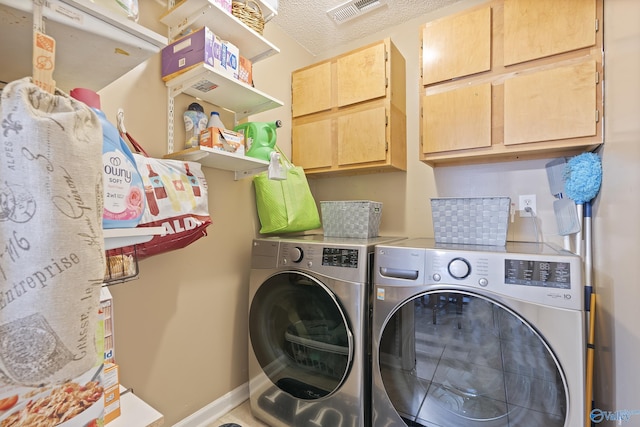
(616, 221)
(181, 328)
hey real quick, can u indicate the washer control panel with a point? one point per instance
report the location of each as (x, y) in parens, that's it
(546, 274)
(535, 272)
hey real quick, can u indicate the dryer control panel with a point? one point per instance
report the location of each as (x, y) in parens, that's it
(344, 259)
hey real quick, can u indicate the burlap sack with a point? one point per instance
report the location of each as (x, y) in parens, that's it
(51, 241)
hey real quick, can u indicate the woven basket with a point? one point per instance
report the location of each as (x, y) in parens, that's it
(250, 13)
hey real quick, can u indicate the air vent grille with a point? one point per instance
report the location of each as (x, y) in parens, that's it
(352, 9)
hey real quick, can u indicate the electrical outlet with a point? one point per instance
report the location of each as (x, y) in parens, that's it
(527, 201)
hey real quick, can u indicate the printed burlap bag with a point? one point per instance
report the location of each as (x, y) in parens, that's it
(51, 241)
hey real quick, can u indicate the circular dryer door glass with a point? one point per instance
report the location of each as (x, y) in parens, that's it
(300, 336)
(458, 359)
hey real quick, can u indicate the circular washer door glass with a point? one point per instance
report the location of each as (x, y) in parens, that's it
(451, 358)
(300, 335)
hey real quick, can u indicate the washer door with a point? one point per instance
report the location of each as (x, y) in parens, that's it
(452, 358)
(300, 335)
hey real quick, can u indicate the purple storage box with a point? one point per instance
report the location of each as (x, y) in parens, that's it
(185, 53)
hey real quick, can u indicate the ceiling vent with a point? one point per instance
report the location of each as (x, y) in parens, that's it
(353, 9)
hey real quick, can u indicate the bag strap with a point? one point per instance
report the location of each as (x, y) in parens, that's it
(284, 156)
(127, 136)
(135, 144)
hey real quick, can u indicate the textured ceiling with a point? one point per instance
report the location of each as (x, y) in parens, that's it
(307, 21)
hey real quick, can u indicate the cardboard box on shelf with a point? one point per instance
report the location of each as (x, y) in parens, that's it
(223, 139)
(245, 70)
(188, 52)
(225, 57)
(224, 5)
(106, 312)
(111, 383)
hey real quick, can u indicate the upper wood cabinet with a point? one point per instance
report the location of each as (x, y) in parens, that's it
(457, 119)
(361, 75)
(534, 91)
(538, 28)
(551, 104)
(447, 50)
(349, 112)
(311, 90)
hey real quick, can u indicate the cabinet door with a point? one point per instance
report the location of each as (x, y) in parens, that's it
(362, 136)
(311, 89)
(553, 104)
(539, 28)
(361, 76)
(456, 46)
(457, 119)
(311, 144)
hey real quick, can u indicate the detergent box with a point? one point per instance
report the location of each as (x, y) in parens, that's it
(226, 57)
(111, 382)
(188, 52)
(223, 139)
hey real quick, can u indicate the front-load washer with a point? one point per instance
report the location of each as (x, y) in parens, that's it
(468, 335)
(309, 331)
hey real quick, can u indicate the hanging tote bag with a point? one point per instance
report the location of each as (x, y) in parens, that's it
(285, 206)
(52, 261)
(177, 200)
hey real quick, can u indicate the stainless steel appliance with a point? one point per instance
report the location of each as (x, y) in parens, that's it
(309, 318)
(468, 335)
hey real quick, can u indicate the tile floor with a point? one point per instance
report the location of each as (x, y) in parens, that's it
(241, 416)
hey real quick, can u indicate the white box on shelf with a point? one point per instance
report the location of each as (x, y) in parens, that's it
(226, 57)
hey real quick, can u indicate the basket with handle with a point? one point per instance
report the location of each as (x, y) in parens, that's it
(249, 12)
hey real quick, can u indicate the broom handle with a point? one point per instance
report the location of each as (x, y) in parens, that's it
(579, 248)
(590, 356)
(588, 251)
(590, 299)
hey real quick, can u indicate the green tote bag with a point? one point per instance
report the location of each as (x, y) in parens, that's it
(285, 206)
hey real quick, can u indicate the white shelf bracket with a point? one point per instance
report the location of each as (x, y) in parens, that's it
(170, 120)
(246, 173)
(175, 31)
(38, 22)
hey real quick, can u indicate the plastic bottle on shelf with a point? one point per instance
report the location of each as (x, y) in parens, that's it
(123, 189)
(195, 121)
(260, 138)
(215, 121)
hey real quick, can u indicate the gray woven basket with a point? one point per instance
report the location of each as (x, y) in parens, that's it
(353, 218)
(475, 221)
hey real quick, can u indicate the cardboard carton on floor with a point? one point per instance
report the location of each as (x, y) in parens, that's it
(111, 382)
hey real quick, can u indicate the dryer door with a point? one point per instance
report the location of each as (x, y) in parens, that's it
(300, 335)
(453, 358)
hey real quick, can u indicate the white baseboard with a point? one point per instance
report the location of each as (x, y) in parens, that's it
(216, 409)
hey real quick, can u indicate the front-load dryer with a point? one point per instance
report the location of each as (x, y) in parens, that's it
(309, 331)
(467, 335)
